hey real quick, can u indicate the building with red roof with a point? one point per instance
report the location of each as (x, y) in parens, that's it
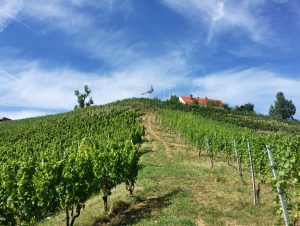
(201, 101)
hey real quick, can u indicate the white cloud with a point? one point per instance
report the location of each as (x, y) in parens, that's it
(216, 16)
(220, 16)
(64, 15)
(8, 11)
(67, 15)
(23, 114)
(85, 31)
(56, 15)
(255, 85)
(31, 86)
(281, 1)
(27, 85)
(107, 4)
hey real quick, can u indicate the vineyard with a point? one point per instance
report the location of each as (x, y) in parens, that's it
(57, 163)
(222, 140)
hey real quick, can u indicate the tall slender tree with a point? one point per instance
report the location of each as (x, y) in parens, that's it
(282, 108)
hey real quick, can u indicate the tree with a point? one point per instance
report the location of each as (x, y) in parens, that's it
(245, 107)
(174, 99)
(282, 108)
(226, 106)
(81, 97)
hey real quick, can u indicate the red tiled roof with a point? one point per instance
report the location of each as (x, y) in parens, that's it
(201, 101)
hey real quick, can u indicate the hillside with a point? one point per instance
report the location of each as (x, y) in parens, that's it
(187, 173)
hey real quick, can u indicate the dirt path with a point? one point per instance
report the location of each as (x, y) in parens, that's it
(178, 145)
(157, 137)
(154, 148)
(166, 134)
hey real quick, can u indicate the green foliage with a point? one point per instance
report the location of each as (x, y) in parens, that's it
(226, 106)
(282, 108)
(243, 119)
(81, 98)
(58, 162)
(218, 138)
(245, 107)
(173, 99)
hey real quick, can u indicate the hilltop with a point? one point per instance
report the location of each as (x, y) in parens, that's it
(186, 170)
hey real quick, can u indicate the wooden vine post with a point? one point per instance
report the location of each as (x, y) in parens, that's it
(279, 189)
(238, 162)
(209, 154)
(179, 137)
(252, 174)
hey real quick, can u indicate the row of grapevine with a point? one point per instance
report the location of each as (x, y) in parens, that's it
(240, 119)
(237, 118)
(57, 162)
(220, 137)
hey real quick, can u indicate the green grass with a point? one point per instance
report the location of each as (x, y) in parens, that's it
(181, 191)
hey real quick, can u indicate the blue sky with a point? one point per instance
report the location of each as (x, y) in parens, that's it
(238, 51)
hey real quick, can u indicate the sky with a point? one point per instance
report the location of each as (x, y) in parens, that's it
(237, 51)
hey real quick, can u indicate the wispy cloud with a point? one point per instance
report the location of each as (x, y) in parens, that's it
(56, 15)
(9, 10)
(67, 16)
(86, 32)
(93, 29)
(216, 17)
(28, 84)
(24, 114)
(220, 16)
(281, 1)
(256, 85)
